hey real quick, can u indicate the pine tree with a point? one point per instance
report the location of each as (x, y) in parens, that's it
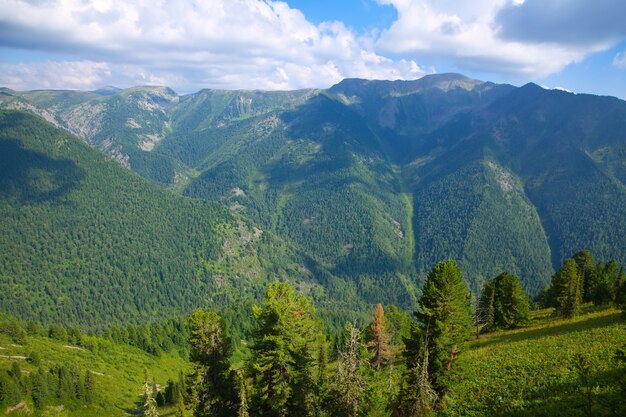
(283, 354)
(379, 342)
(89, 387)
(417, 397)
(484, 313)
(566, 289)
(243, 395)
(586, 270)
(180, 404)
(348, 387)
(216, 393)
(445, 319)
(603, 288)
(511, 304)
(39, 388)
(620, 290)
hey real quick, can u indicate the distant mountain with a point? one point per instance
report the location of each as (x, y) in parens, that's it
(108, 90)
(376, 181)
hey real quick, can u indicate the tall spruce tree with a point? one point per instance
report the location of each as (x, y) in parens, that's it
(603, 288)
(511, 305)
(283, 365)
(586, 270)
(444, 318)
(566, 289)
(216, 391)
(417, 397)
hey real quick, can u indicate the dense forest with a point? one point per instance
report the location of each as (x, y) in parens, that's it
(375, 181)
(86, 243)
(393, 365)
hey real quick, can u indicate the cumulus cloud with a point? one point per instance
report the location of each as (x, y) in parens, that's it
(185, 44)
(510, 37)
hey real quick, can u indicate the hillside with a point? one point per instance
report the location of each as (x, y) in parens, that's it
(117, 372)
(532, 371)
(85, 242)
(376, 181)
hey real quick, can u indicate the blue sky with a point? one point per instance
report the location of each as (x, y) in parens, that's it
(578, 45)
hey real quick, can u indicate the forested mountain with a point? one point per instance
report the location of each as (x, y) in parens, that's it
(85, 242)
(373, 182)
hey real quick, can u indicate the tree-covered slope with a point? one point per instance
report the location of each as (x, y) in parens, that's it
(86, 242)
(376, 181)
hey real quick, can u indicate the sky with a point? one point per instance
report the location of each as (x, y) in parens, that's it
(575, 45)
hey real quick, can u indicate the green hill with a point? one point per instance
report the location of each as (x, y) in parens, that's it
(117, 372)
(533, 371)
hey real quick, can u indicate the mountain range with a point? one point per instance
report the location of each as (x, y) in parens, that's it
(355, 191)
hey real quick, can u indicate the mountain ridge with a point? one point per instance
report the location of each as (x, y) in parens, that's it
(378, 180)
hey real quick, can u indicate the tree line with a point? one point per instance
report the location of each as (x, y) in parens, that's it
(398, 367)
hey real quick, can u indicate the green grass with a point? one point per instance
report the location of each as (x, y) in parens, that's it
(530, 371)
(118, 372)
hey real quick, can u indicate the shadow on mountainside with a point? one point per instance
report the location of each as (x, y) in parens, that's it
(33, 177)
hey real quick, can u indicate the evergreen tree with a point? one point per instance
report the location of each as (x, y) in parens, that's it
(484, 314)
(10, 391)
(379, 343)
(180, 404)
(16, 372)
(602, 289)
(566, 291)
(89, 386)
(417, 397)
(283, 362)
(586, 270)
(511, 305)
(444, 317)
(216, 393)
(346, 397)
(39, 388)
(243, 395)
(620, 290)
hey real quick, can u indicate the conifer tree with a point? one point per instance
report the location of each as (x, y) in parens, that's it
(346, 395)
(586, 270)
(511, 305)
(417, 397)
(216, 392)
(444, 317)
(39, 388)
(180, 404)
(89, 386)
(620, 290)
(379, 343)
(566, 289)
(484, 313)
(283, 363)
(602, 288)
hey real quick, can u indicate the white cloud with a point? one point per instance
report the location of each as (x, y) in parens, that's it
(471, 34)
(620, 60)
(185, 44)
